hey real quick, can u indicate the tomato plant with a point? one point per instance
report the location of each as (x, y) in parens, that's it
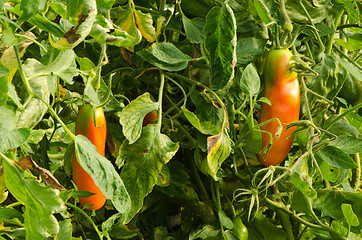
(255, 133)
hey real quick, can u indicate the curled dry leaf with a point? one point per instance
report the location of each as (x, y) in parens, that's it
(28, 163)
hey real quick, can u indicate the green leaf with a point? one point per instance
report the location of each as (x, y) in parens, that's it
(348, 213)
(303, 186)
(218, 149)
(252, 136)
(180, 185)
(250, 81)
(336, 158)
(104, 5)
(263, 11)
(194, 29)
(103, 173)
(46, 25)
(225, 220)
(144, 24)
(165, 56)
(41, 202)
(65, 230)
(350, 68)
(249, 49)
(317, 12)
(13, 138)
(301, 203)
(348, 144)
(261, 228)
(30, 8)
(3, 90)
(127, 22)
(206, 232)
(204, 127)
(132, 116)
(220, 30)
(144, 159)
(9, 38)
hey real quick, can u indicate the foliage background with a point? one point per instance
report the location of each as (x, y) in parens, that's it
(199, 64)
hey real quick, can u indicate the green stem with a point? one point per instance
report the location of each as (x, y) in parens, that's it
(160, 95)
(303, 221)
(32, 40)
(21, 71)
(181, 88)
(336, 22)
(356, 173)
(284, 218)
(87, 217)
(343, 115)
(347, 57)
(204, 196)
(55, 115)
(189, 80)
(321, 44)
(15, 204)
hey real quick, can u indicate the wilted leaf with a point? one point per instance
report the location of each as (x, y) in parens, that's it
(144, 160)
(133, 114)
(144, 24)
(39, 220)
(218, 149)
(28, 163)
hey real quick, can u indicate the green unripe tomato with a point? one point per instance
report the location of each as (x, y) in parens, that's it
(239, 229)
(288, 27)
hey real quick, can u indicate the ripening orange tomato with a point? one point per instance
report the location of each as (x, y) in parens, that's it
(96, 132)
(150, 118)
(282, 89)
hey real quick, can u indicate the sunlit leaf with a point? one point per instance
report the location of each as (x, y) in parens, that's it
(39, 220)
(204, 127)
(218, 149)
(165, 56)
(133, 114)
(144, 24)
(103, 173)
(144, 160)
(220, 32)
(336, 157)
(348, 213)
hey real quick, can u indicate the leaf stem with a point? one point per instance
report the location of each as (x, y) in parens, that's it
(321, 44)
(347, 57)
(356, 173)
(331, 40)
(32, 40)
(181, 88)
(87, 217)
(160, 95)
(303, 221)
(21, 71)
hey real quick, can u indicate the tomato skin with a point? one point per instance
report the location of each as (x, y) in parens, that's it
(282, 89)
(150, 118)
(239, 229)
(96, 133)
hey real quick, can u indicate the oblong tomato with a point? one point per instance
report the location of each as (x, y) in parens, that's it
(96, 132)
(282, 89)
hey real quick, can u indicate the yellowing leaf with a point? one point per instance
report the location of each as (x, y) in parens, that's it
(218, 148)
(144, 23)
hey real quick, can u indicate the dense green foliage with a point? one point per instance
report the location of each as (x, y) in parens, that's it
(193, 173)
